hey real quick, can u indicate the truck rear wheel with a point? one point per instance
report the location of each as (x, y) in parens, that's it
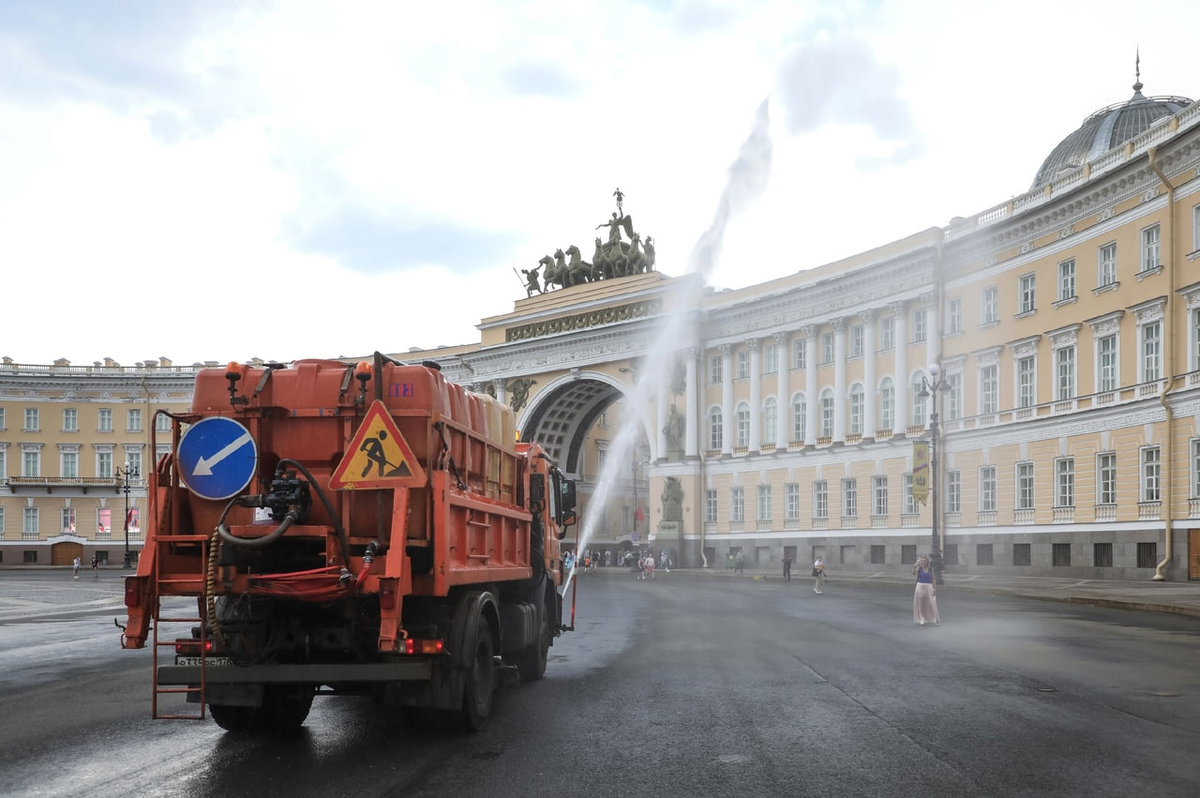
(480, 690)
(531, 663)
(284, 709)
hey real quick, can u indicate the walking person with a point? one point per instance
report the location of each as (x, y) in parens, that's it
(739, 564)
(787, 567)
(95, 567)
(78, 562)
(925, 597)
(818, 573)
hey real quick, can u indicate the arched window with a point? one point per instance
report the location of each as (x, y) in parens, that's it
(716, 435)
(743, 424)
(827, 413)
(770, 420)
(799, 414)
(857, 408)
(918, 401)
(887, 404)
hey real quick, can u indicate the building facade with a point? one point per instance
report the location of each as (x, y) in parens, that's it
(75, 445)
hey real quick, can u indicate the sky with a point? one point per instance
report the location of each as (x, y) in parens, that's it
(211, 180)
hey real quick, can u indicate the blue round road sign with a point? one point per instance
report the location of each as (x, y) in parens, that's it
(217, 457)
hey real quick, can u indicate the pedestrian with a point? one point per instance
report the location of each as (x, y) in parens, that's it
(78, 562)
(818, 573)
(739, 564)
(95, 567)
(925, 597)
(787, 567)
(649, 566)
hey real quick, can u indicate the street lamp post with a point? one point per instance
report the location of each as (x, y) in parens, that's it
(124, 476)
(936, 381)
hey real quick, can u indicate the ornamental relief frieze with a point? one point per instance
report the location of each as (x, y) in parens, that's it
(583, 321)
(527, 359)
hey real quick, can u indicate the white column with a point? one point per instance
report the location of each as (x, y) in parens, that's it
(664, 398)
(783, 401)
(727, 431)
(839, 379)
(813, 408)
(691, 447)
(933, 332)
(755, 394)
(501, 394)
(870, 400)
(900, 337)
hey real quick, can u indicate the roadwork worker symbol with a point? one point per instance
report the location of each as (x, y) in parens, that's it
(377, 456)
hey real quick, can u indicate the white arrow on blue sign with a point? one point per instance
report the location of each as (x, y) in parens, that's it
(217, 457)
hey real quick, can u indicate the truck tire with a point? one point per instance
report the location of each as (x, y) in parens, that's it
(531, 663)
(284, 709)
(479, 692)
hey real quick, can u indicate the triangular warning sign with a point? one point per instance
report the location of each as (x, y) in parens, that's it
(378, 456)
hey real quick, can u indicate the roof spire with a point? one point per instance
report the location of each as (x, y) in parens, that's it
(1137, 70)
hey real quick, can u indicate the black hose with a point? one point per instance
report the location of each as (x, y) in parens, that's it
(333, 516)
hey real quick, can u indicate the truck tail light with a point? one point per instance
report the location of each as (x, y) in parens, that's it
(416, 645)
(192, 647)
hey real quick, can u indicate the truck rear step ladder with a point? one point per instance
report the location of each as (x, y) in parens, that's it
(175, 585)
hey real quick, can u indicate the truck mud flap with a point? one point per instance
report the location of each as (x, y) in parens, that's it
(418, 670)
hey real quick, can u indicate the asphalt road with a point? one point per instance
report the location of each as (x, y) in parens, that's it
(684, 686)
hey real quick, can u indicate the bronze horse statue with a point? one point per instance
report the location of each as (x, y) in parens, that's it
(579, 270)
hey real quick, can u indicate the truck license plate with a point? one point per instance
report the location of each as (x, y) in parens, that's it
(196, 661)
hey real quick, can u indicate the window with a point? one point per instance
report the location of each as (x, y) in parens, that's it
(989, 390)
(954, 396)
(1150, 474)
(162, 423)
(68, 520)
(104, 421)
(764, 502)
(70, 464)
(827, 410)
(31, 462)
(770, 359)
(1150, 249)
(1106, 265)
(710, 507)
(770, 419)
(133, 421)
(908, 554)
(1064, 366)
(1147, 555)
(856, 340)
(910, 503)
(1, 418)
(857, 408)
(31, 523)
(989, 305)
(1024, 486)
(133, 463)
(799, 413)
(887, 404)
(953, 491)
(791, 501)
(1106, 356)
(716, 423)
(983, 554)
(820, 499)
(737, 504)
(953, 316)
(1025, 294)
(1027, 381)
(886, 334)
(987, 489)
(798, 357)
(32, 423)
(918, 326)
(104, 465)
(877, 554)
(850, 498)
(1022, 554)
(742, 414)
(1102, 555)
(879, 496)
(1, 523)
(1066, 280)
(1195, 493)
(827, 347)
(1106, 478)
(1195, 233)
(918, 401)
(70, 420)
(1064, 482)
(1152, 351)
(743, 365)
(1060, 555)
